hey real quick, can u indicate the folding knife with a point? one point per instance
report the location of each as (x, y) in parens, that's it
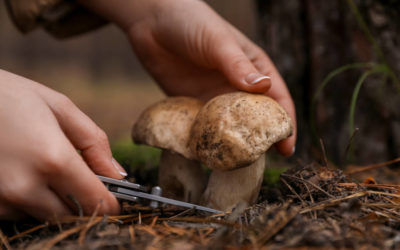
(125, 190)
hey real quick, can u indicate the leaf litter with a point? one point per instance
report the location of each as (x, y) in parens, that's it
(311, 207)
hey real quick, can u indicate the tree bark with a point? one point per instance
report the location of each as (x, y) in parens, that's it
(307, 40)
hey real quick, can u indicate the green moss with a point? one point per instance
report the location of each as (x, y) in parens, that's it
(133, 156)
(271, 175)
(139, 160)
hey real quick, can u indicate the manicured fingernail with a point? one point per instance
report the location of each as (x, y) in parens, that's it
(293, 149)
(254, 78)
(118, 167)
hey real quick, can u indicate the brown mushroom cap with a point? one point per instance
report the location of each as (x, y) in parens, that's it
(167, 124)
(233, 130)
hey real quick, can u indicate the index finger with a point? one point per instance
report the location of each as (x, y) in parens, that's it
(73, 181)
(280, 93)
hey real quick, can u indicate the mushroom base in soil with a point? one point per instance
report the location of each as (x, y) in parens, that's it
(227, 188)
(180, 178)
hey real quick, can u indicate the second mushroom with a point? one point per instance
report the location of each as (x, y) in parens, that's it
(167, 125)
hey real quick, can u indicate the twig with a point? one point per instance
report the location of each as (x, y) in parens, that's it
(323, 152)
(132, 234)
(202, 220)
(274, 225)
(390, 210)
(381, 205)
(201, 237)
(27, 232)
(314, 214)
(383, 186)
(175, 230)
(237, 211)
(89, 224)
(383, 193)
(209, 231)
(58, 223)
(373, 166)
(64, 235)
(147, 229)
(154, 221)
(4, 241)
(312, 184)
(386, 215)
(294, 192)
(184, 212)
(116, 219)
(220, 214)
(332, 202)
(138, 218)
(246, 220)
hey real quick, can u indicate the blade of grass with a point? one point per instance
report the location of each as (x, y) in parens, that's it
(348, 149)
(378, 51)
(336, 72)
(323, 84)
(378, 68)
(364, 27)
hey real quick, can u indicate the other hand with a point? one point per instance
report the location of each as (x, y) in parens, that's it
(190, 50)
(42, 173)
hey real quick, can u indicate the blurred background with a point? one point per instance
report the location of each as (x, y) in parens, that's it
(98, 71)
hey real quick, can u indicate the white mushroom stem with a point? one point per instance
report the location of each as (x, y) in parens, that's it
(181, 178)
(227, 188)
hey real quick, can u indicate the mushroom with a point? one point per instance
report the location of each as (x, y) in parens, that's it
(166, 125)
(230, 135)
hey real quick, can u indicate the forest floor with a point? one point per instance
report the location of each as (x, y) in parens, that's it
(311, 206)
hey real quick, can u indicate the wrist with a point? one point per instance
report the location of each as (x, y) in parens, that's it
(124, 13)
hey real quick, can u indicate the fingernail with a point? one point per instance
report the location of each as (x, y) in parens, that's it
(118, 167)
(293, 149)
(254, 78)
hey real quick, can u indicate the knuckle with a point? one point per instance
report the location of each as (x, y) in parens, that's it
(260, 52)
(102, 201)
(237, 61)
(110, 207)
(102, 136)
(63, 99)
(17, 191)
(52, 161)
(62, 102)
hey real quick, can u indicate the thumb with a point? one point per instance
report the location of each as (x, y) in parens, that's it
(239, 70)
(84, 134)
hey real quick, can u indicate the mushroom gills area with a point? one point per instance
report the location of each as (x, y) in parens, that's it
(227, 188)
(181, 178)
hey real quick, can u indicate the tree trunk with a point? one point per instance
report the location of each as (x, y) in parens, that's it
(307, 40)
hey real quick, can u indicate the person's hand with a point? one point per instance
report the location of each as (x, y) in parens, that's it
(192, 51)
(41, 172)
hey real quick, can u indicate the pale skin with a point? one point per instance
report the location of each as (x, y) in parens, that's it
(186, 47)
